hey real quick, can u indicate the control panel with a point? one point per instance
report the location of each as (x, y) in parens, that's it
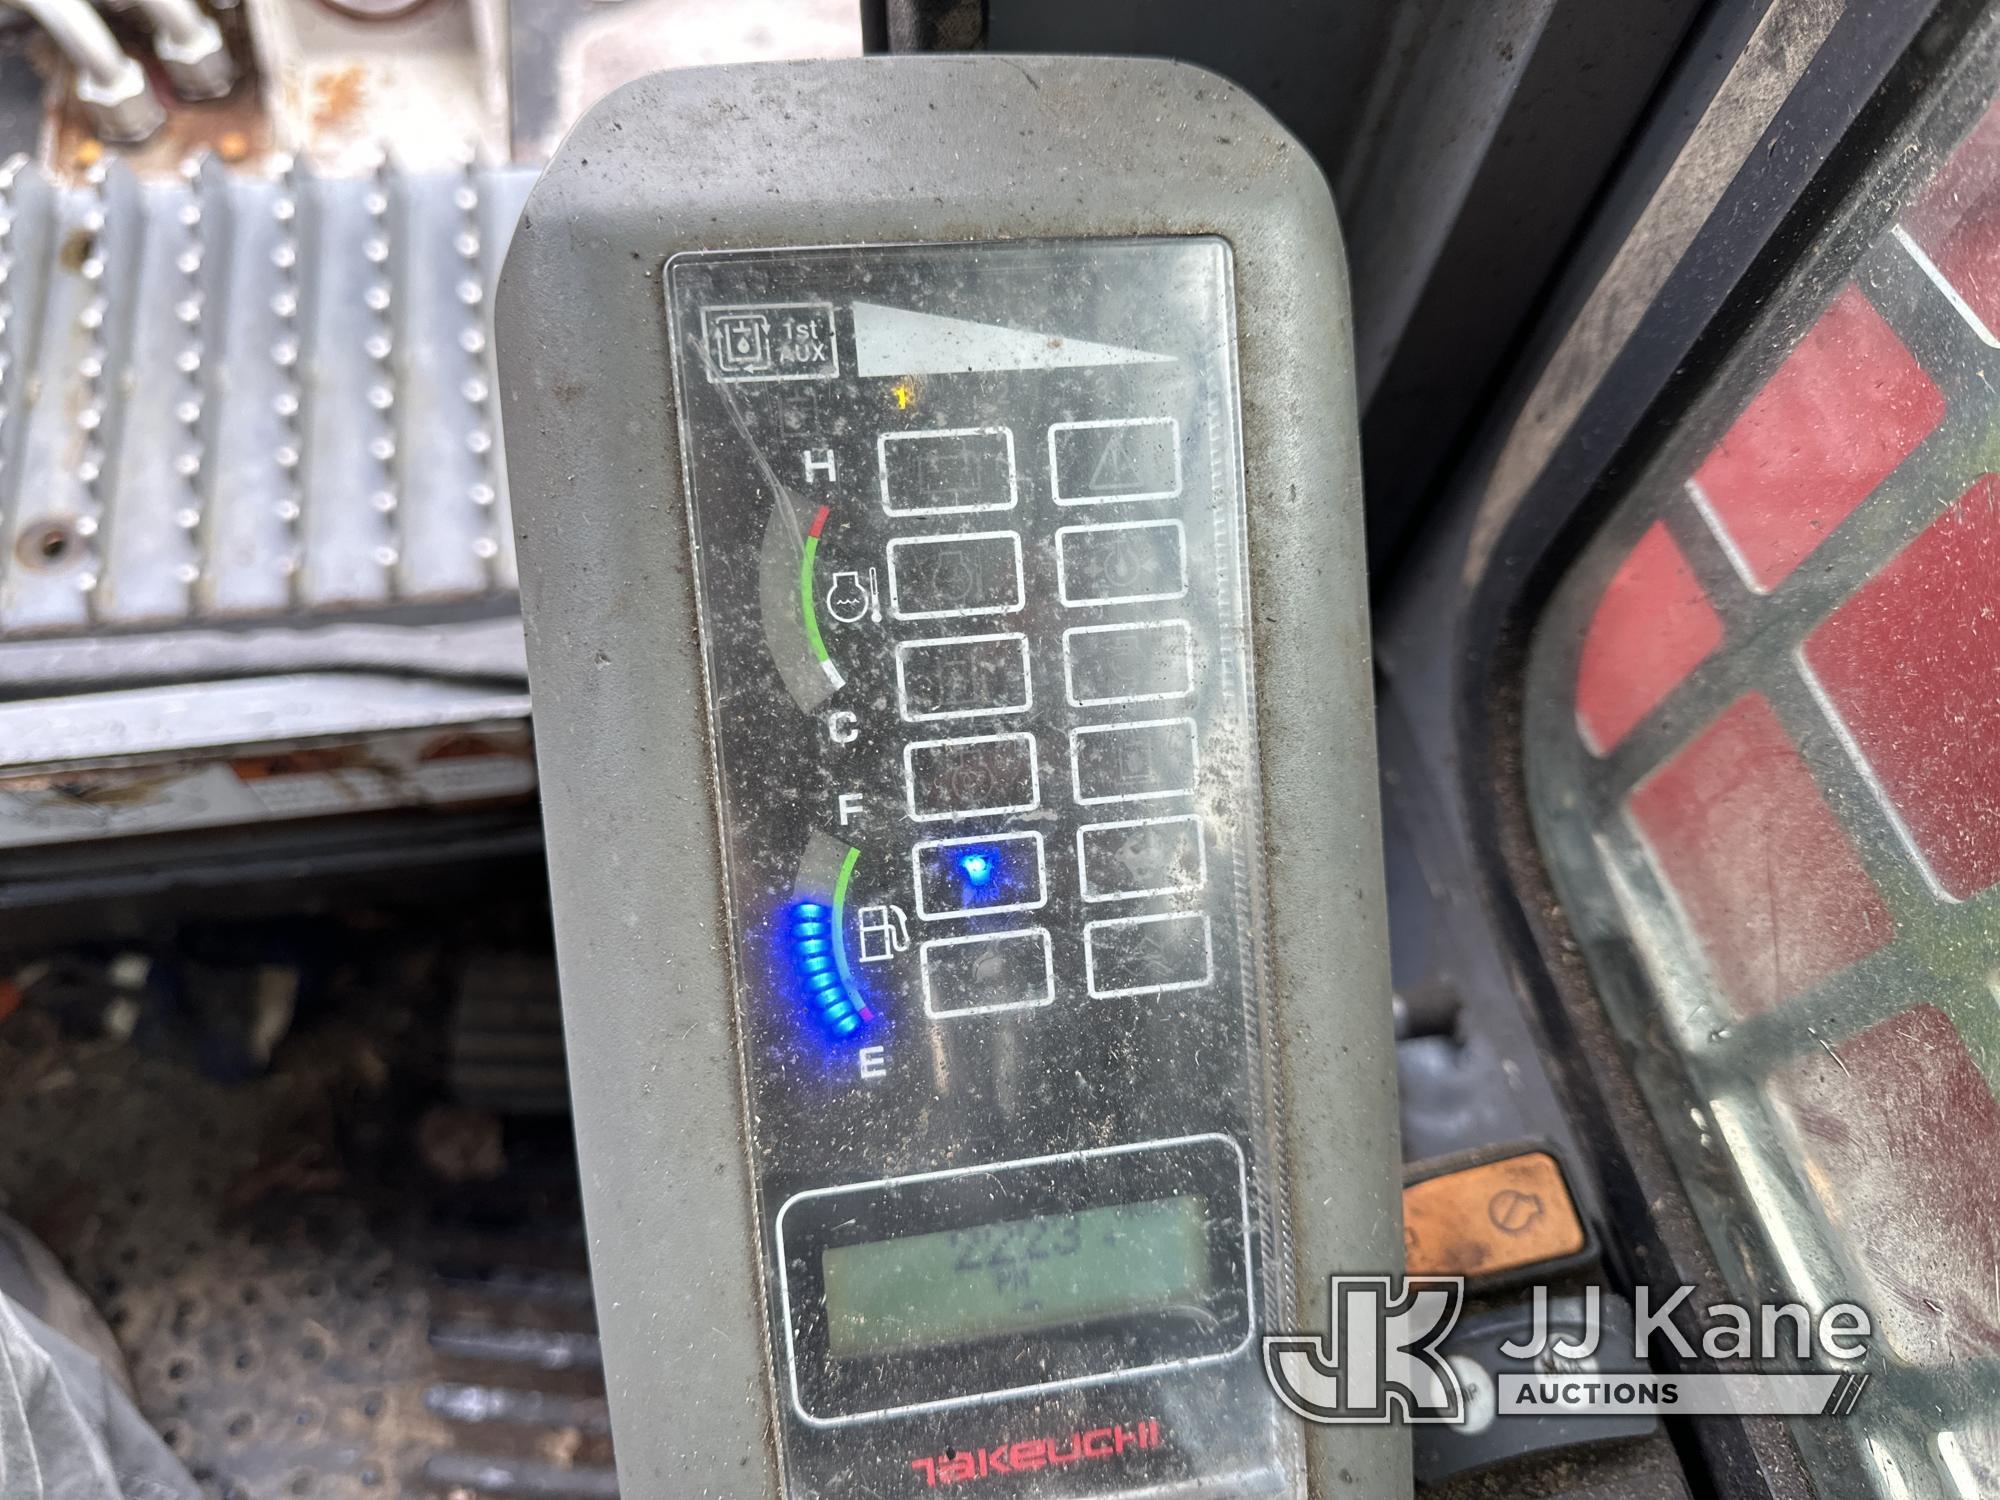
(942, 575)
(969, 543)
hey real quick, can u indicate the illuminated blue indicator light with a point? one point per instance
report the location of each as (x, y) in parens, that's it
(814, 959)
(977, 867)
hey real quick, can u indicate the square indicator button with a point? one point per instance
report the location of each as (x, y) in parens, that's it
(944, 577)
(1133, 762)
(948, 472)
(1142, 857)
(1147, 955)
(976, 876)
(1122, 562)
(1148, 662)
(986, 972)
(963, 677)
(1124, 458)
(992, 773)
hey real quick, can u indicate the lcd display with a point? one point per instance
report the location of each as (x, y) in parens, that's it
(954, 1285)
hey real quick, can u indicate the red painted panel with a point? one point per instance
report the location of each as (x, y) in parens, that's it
(1900, 1131)
(1846, 406)
(1765, 875)
(1911, 663)
(1957, 220)
(1653, 626)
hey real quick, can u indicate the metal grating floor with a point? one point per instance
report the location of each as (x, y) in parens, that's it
(309, 1303)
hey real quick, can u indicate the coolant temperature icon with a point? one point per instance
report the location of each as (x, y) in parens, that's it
(885, 932)
(848, 598)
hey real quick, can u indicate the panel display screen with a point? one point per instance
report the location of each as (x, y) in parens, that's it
(970, 550)
(945, 1284)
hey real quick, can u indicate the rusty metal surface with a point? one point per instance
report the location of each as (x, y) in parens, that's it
(315, 1291)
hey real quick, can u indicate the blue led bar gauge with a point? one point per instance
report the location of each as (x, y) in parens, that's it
(815, 969)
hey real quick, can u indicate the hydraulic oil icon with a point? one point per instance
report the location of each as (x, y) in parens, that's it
(773, 341)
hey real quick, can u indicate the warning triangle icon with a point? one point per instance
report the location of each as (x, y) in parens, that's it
(1116, 470)
(897, 341)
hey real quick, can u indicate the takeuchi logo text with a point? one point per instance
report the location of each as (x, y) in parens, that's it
(1026, 1455)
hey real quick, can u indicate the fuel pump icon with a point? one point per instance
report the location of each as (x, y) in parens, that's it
(884, 931)
(848, 598)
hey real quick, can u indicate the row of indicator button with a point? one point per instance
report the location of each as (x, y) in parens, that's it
(966, 575)
(981, 875)
(985, 676)
(965, 470)
(974, 574)
(982, 972)
(988, 775)
(985, 874)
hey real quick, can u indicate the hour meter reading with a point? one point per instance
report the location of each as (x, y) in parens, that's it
(941, 562)
(952, 1286)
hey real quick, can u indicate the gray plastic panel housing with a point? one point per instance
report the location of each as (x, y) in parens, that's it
(885, 150)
